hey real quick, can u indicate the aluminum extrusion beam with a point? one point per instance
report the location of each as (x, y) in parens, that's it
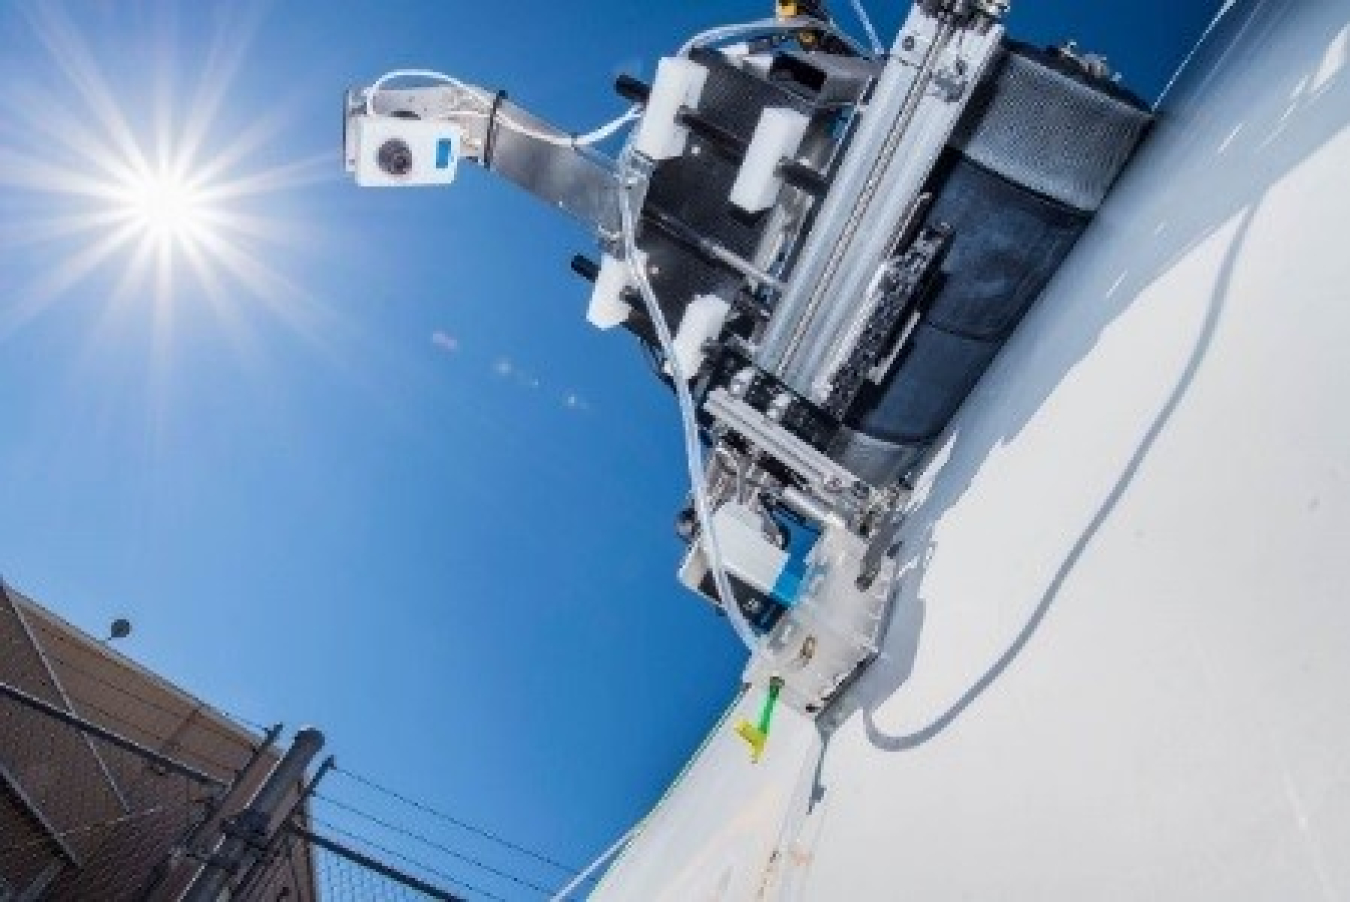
(907, 122)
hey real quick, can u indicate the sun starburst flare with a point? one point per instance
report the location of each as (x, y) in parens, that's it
(166, 210)
(166, 206)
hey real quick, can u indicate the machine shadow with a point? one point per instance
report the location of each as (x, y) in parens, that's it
(1274, 137)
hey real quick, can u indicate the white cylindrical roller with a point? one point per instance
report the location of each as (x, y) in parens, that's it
(608, 308)
(679, 83)
(702, 322)
(778, 136)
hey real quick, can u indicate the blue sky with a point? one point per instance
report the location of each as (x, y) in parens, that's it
(383, 478)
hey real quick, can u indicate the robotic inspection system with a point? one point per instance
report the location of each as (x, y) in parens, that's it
(823, 245)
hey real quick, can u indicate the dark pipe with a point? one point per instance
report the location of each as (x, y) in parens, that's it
(585, 267)
(631, 89)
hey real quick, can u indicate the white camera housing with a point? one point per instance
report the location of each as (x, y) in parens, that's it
(392, 152)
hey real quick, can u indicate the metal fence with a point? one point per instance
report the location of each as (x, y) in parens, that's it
(105, 779)
(116, 786)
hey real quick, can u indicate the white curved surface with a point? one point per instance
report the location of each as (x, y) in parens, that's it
(1120, 663)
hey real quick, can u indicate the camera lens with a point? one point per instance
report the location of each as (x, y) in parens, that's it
(395, 157)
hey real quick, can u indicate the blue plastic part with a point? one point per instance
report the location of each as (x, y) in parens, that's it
(789, 584)
(801, 539)
(445, 153)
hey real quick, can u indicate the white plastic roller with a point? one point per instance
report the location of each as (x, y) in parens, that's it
(702, 322)
(778, 136)
(679, 83)
(608, 308)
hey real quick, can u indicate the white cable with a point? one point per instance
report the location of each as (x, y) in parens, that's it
(559, 140)
(425, 74)
(861, 12)
(562, 894)
(773, 26)
(688, 416)
(609, 128)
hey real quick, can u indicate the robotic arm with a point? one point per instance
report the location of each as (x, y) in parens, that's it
(824, 251)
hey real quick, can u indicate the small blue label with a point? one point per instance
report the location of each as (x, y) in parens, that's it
(445, 151)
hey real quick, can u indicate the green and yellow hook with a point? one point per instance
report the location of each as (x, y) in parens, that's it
(757, 737)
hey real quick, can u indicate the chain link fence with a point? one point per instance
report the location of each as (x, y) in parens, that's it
(117, 787)
(84, 817)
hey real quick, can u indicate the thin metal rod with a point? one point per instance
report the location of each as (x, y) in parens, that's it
(108, 736)
(710, 249)
(369, 863)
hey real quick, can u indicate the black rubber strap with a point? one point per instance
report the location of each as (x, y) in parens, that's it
(490, 141)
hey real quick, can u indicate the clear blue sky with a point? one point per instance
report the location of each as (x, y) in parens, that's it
(384, 478)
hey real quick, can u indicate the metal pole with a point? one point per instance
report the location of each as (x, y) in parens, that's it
(255, 873)
(90, 729)
(248, 832)
(268, 741)
(185, 848)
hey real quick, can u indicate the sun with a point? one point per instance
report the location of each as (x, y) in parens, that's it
(139, 196)
(166, 206)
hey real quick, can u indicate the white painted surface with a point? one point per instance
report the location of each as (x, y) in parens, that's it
(716, 834)
(1120, 665)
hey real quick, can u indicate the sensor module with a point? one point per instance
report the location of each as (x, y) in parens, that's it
(394, 152)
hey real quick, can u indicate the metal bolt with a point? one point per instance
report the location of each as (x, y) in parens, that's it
(741, 382)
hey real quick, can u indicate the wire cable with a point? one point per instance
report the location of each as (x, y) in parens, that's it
(866, 21)
(431, 843)
(175, 713)
(487, 111)
(420, 865)
(423, 74)
(427, 809)
(688, 414)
